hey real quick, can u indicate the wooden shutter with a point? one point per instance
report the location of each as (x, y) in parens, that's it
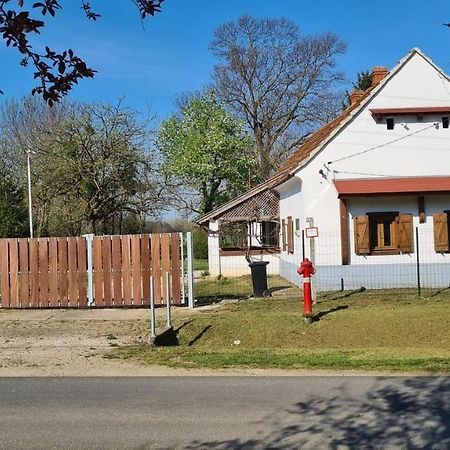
(361, 231)
(283, 234)
(290, 235)
(440, 232)
(405, 233)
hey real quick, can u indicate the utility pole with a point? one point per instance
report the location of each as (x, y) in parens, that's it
(30, 206)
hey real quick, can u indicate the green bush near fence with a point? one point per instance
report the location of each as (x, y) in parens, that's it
(200, 242)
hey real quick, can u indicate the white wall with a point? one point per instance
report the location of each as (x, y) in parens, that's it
(213, 248)
(236, 266)
(233, 266)
(426, 153)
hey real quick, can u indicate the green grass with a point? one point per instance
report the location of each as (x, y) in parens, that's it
(380, 330)
(231, 288)
(201, 264)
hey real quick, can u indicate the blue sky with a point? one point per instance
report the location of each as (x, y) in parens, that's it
(151, 66)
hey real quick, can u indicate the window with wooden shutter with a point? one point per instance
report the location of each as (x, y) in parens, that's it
(283, 234)
(384, 233)
(405, 233)
(440, 224)
(362, 246)
(290, 235)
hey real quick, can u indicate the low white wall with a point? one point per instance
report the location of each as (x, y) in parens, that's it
(236, 266)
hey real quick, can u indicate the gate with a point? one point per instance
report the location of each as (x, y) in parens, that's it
(54, 272)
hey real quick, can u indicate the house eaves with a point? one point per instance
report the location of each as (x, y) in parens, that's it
(221, 210)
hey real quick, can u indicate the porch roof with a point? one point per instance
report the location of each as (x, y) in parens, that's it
(392, 186)
(260, 202)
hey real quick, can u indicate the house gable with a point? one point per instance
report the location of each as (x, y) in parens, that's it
(364, 146)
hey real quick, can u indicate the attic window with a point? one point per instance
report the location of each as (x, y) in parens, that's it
(390, 123)
(445, 122)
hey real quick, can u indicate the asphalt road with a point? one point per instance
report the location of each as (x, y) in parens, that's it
(225, 412)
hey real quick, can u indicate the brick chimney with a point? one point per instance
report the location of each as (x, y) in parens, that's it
(378, 73)
(356, 96)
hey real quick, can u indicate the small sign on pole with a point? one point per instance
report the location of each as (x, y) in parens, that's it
(311, 232)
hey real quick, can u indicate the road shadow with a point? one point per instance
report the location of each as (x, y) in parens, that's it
(396, 413)
(318, 316)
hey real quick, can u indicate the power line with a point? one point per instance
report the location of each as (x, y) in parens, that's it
(383, 145)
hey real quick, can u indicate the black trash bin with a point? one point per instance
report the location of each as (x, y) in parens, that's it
(259, 277)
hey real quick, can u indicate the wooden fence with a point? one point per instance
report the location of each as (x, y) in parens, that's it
(53, 272)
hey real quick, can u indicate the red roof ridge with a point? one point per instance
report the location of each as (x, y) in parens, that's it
(394, 185)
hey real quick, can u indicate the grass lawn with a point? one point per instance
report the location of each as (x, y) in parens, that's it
(201, 264)
(382, 330)
(210, 289)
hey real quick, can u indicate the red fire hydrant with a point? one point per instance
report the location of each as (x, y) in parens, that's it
(307, 269)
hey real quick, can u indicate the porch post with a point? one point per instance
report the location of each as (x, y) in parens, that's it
(344, 231)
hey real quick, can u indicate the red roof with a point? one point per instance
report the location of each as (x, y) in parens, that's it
(389, 186)
(420, 110)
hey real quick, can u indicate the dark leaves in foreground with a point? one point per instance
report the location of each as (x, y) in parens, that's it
(56, 73)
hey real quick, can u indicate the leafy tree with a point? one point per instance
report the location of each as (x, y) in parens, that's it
(362, 83)
(13, 210)
(207, 152)
(363, 80)
(277, 81)
(56, 72)
(92, 168)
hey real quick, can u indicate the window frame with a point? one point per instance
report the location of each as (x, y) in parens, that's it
(380, 218)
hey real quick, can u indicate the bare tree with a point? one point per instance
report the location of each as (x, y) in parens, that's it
(280, 83)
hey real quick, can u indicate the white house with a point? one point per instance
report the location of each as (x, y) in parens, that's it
(372, 181)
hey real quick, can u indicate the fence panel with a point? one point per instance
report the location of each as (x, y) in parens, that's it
(136, 268)
(4, 269)
(116, 270)
(107, 271)
(98, 271)
(51, 272)
(24, 273)
(43, 271)
(145, 268)
(63, 273)
(34, 273)
(14, 272)
(156, 266)
(126, 270)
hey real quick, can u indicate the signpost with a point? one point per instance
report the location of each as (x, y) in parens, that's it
(312, 232)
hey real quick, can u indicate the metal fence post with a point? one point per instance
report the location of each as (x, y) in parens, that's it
(303, 245)
(183, 293)
(90, 268)
(190, 269)
(169, 317)
(418, 262)
(152, 311)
